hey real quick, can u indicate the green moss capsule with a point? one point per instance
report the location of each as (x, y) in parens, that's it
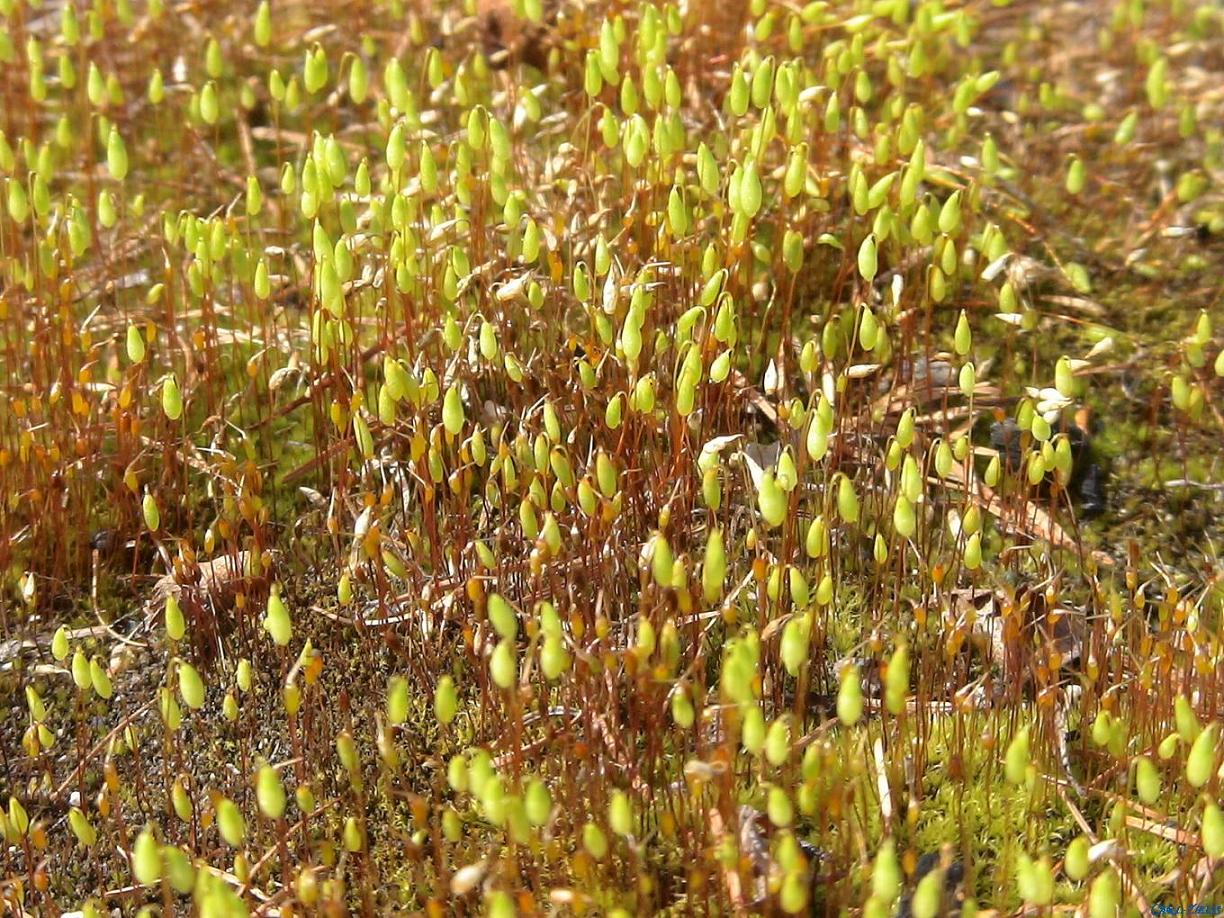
(85, 833)
(714, 569)
(152, 516)
(191, 686)
(59, 644)
(850, 697)
(1201, 760)
(620, 813)
(886, 874)
(867, 260)
(270, 792)
(230, 823)
(1076, 861)
(452, 411)
(172, 399)
(772, 500)
(1105, 895)
(1212, 830)
(116, 156)
(135, 344)
(1147, 780)
(146, 858)
(502, 665)
(778, 745)
(537, 802)
(1018, 756)
(847, 500)
(277, 621)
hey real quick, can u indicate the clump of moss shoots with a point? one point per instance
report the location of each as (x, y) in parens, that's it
(603, 457)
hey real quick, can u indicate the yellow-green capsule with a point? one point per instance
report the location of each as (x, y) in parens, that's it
(714, 569)
(446, 700)
(386, 407)
(662, 562)
(179, 870)
(1017, 758)
(1075, 175)
(928, 894)
(796, 641)
(277, 621)
(886, 874)
(1188, 727)
(59, 644)
(1064, 379)
(99, 679)
(963, 338)
(943, 459)
(896, 680)
(1201, 760)
(365, 440)
(397, 699)
(80, 670)
(752, 731)
(620, 813)
(230, 822)
(967, 379)
(1147, 780)
(973, 551)
(1212, 830)
(358, 81)
(244, 675)
(847, 500)
(270, 792)
(181, 800)
(904, 520)
(146, 858)
(172, 715)
(824, 591)
(85, 833)
(502, 665)
(682, 709)
(191, 686)
(772, 500)
(116, 156)
(1105, 895)
(502, 616)
(152, 516)
(869, 329)
(172, 399)
(135, 344)
(452, 411)
(554, 658)
(778, 743)
(711, 488)
(314, 70)
(779, 808)
(605, 474)
(950, 215)
(594, 840)
(867, 261)
(817, 440)
(18, 818)
(210, 105)
(850, 697)
(816, 542)
(1076, 861)
(263, 24)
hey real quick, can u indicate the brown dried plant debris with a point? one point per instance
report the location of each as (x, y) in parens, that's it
(508, 39)
(217, 582)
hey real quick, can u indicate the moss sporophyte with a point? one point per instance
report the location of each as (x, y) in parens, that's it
(643, 458)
